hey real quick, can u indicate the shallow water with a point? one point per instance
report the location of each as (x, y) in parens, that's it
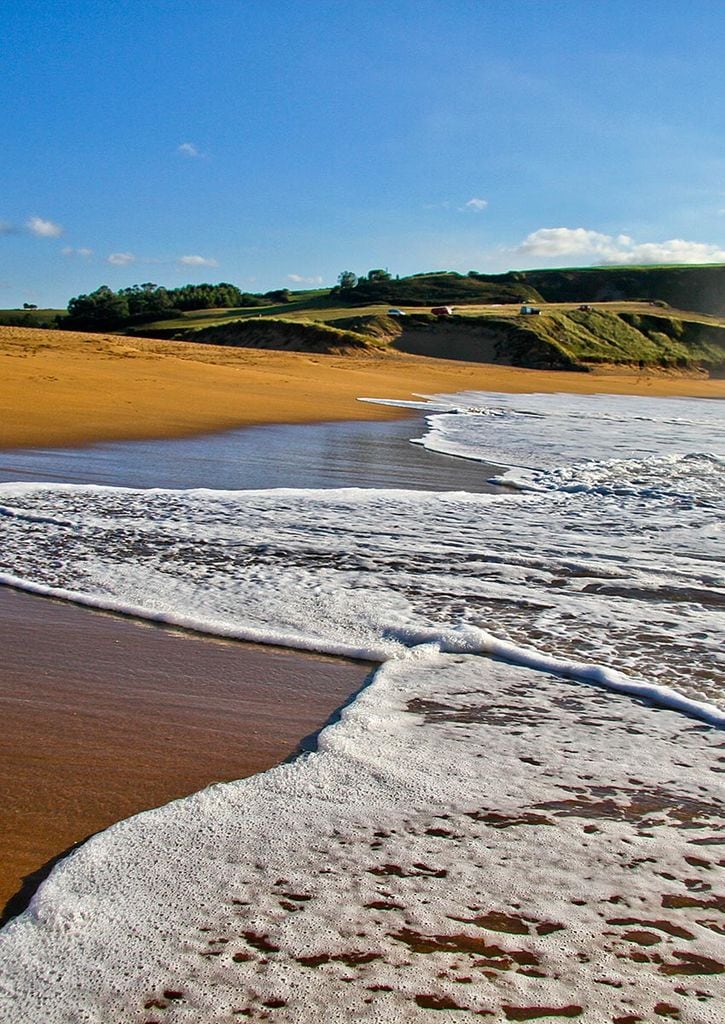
(601, 557)
(358, 454)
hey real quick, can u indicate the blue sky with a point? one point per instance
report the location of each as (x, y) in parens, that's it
(275, 145)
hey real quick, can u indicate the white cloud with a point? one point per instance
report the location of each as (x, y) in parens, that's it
(300, 279)
(197, 261)
(188, 149)
(43, 228)
(554, 243)
(121, 259)
(675, 250)
(68, 250)
(563, 241)
(475, 206)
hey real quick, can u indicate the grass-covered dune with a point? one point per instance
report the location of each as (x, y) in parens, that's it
(287, 335)
(557, 339)
(573, 339)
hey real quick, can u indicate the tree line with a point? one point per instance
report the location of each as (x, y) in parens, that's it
(104, 309)
(347, 281)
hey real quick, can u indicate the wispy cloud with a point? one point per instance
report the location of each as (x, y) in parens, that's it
(474, 206)
(555, 243)
(197, 261)
(43, 228)
(121, 259)
(188, 149)
(68, 250)
(301, 279)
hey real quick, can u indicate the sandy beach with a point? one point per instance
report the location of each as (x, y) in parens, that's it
(118, 716)
(106, 716)
(65, 388)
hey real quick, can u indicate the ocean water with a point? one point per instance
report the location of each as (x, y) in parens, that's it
(363, 454)
(513, 799)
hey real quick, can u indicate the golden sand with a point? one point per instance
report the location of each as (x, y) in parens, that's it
(66, 388)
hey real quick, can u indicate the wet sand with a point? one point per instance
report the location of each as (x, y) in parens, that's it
(105, 716)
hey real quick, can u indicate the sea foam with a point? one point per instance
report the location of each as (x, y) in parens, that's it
(476, 834)
(370, 574)
(463, 841)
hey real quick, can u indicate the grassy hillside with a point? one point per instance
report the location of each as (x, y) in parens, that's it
(684, 287)
(588, 338)
(444, 288)
(574, 339)
(699, 288)
(558, 339)
(288, 335)
(571, 339)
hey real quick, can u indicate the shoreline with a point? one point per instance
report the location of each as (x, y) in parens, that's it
(106, 716)
(240, 862)
(64, 389)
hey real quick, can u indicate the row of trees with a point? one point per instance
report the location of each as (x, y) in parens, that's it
(104, 309)
(347, 280)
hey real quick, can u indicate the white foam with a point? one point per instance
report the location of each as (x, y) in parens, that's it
(467, 571)
(426, 795)
(542, 432)
(364, 875)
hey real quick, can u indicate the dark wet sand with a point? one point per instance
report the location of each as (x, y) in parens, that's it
(104, 716)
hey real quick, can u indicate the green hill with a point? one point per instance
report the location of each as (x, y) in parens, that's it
(699, 288)
(290, 335)
(442, 288)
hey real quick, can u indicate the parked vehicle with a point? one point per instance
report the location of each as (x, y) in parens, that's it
(396, 312)
(442, 310)
(529, 311)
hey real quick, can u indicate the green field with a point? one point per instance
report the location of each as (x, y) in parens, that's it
(31, 317)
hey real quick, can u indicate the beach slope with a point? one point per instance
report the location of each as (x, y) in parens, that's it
(60, 388)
